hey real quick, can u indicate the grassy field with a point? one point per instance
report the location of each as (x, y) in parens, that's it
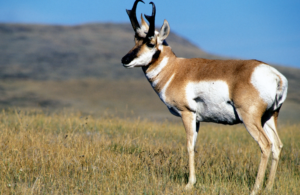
(71, 153)
(108, 147)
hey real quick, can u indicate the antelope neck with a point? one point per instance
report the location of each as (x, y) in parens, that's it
(160, 70)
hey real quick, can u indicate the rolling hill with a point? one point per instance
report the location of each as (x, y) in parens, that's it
(78, 67)
(66, 52)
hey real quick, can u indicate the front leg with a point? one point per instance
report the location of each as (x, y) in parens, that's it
(191, 128)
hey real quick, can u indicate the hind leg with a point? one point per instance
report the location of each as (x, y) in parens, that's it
(253, 125)
(270, 128)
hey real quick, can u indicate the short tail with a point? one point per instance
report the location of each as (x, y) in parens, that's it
(282, 88)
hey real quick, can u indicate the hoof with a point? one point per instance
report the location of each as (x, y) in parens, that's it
(269, 187)
(254, 192)
(189, 186)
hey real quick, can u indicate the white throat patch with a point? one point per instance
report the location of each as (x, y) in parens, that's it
(162, 94)
(153, 73)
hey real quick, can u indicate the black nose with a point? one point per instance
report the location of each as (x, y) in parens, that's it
(126, 59)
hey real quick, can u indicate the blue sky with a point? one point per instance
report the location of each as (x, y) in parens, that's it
(250, 29)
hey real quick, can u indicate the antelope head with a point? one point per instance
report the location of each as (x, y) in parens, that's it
(148, 41)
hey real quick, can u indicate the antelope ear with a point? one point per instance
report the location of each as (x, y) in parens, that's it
(164, 31)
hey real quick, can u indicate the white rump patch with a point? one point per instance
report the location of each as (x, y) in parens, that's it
(266, 80)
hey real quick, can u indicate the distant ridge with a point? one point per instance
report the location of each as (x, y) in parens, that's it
(53, 52)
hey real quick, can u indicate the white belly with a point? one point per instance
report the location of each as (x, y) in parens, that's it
(210, 100)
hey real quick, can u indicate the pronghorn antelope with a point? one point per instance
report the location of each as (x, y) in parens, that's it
(220, 91)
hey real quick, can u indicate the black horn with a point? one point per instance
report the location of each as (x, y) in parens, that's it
(151, 20)
(132, 15)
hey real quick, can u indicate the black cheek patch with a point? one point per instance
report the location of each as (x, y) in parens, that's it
(130, 56)
(135, 52)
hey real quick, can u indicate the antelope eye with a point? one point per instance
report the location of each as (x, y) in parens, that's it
(150, 45)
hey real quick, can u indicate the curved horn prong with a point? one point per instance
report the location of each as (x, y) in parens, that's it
(132, 15)
(144, 24)
(151, 20)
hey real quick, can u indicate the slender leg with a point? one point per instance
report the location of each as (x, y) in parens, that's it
(265, 145)
(191, 128)
(253, 125)
(270, 127)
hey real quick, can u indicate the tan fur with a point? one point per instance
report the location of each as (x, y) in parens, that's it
(245, 98)
(236, 73)
(275, 157)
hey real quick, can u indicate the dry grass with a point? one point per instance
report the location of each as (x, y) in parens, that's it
(74, 154)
